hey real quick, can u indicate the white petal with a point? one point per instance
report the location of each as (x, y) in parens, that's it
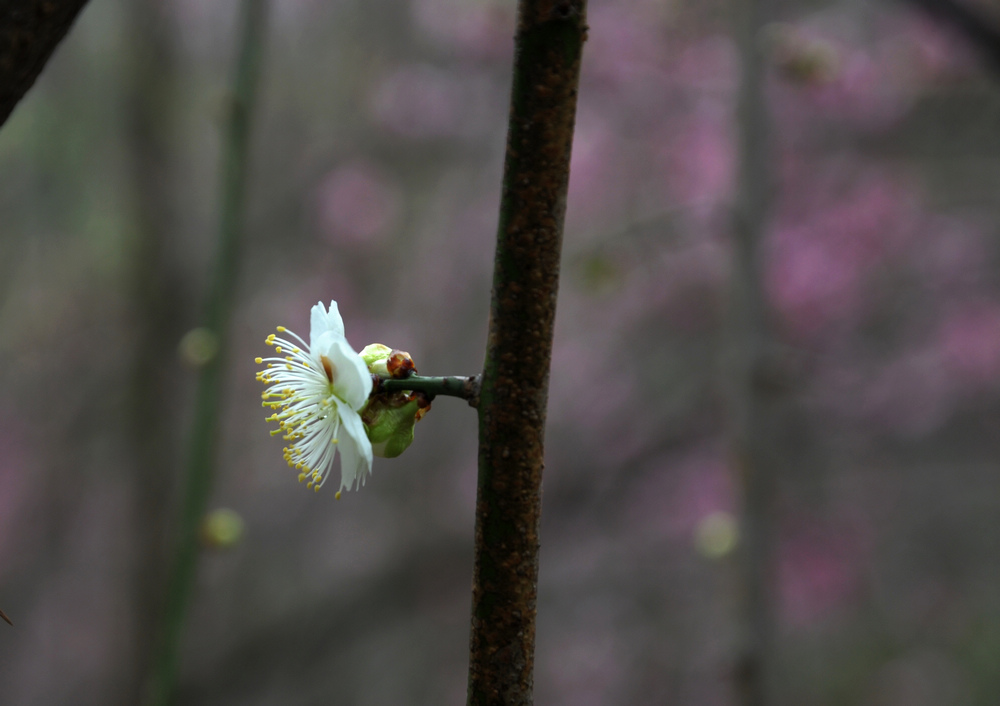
(322, 321)
(355, 448)
(352, 382)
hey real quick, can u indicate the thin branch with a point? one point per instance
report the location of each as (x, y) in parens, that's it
(158, 307)
(453, 386)
(30, 30)
(201, 464)
(748, 397)
(514, 394)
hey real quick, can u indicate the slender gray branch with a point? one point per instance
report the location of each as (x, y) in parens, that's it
(749, 403)
(200, 470)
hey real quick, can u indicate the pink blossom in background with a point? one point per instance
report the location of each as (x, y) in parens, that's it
(869, 86)
(682, 287)
(937, 53)
(709, 64)
(599, 176)
(810, 285)
(911, 395)
(477, 29)
(697, 153)
(355, 203)
(970, 342)
(820, 567)
(419, 101)
(588, 668)
(819, 263)
(623, 48)
(682, 491)
(953, 256)
(573, 401)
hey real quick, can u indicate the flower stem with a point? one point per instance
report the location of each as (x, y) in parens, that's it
(514, 394)
(453, 386)
(201, 462)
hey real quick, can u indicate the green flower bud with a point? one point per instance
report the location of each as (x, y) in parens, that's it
(387, 362)
(375, 356)
(389, 417)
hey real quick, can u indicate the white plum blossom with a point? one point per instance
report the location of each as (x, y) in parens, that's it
(317, 390)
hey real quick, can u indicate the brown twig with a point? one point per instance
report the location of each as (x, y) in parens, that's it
(466, 388)
(514, 392)
(8, 620)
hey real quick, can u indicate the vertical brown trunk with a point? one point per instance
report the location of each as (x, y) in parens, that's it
(514, 393)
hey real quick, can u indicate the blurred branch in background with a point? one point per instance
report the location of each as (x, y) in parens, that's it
(749, 350)
(30, 30)
(219, 305)
(514, 395)
(973, 24)
(158, 308)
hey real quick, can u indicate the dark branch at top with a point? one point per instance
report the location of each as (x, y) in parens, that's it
(974, 25)
(29, 33)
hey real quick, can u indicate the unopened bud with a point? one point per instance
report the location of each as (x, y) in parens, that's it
(375, 356)
(388, 362)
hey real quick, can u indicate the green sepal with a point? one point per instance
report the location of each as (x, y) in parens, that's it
(389, 423)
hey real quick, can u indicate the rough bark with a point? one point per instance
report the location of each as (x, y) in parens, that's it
(29, 33)
(513, 398)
